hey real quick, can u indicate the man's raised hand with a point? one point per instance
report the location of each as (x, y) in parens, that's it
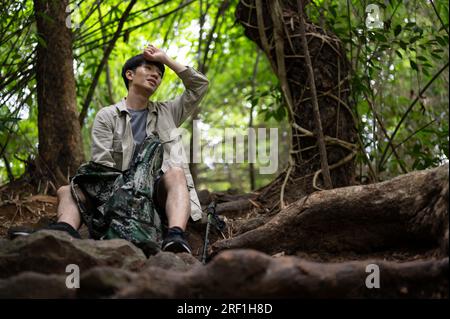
(152, 53)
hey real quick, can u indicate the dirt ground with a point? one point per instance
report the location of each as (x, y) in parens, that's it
(21, 206)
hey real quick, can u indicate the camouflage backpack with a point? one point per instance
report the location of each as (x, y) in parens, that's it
(116, 204)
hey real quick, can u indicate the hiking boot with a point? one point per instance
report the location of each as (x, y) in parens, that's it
(19, 231)
(175, 241)
(15, 232)
(62, 226)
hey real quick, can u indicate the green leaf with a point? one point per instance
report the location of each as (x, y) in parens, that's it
(397, 30)
(41, 41)
(378, 67)
(422, 58)
(332, 10)
(436, 56)
(380, 37)
(280, 113)
(5, 121)
(403, 44)
(445, 26)
(418, 29)
(413, 65)
(441, 41)
(29, 100)
(414, 39)
(264, 93)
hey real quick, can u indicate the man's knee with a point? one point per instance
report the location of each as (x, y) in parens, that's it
(63, 191)
(175, 172)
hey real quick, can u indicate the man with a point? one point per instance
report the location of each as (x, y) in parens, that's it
(119, 131)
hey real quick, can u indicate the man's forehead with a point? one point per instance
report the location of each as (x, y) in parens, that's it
(150, 65)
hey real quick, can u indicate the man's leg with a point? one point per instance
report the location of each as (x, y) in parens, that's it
(174, 196)
(68, 217)
(67, 208)
(172, 193)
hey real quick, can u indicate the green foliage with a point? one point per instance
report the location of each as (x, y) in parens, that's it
(271, 102)
(390, 66)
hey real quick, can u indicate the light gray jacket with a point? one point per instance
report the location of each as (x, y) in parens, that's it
(112, 138)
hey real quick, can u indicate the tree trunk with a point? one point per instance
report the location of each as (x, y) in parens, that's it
(60, 147)
(275, 27)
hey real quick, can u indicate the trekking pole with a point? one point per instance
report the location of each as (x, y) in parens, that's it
(210, 212)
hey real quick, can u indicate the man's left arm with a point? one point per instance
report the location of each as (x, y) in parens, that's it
(196, 85)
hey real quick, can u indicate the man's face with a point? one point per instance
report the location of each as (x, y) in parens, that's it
(147, 77)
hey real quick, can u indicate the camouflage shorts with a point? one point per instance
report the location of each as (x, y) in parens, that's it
(119, 204)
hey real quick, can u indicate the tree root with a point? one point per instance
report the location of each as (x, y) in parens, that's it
(408, 211)
(248, 273)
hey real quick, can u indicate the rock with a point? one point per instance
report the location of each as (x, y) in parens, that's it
(444, 244)
(280, 254)
(35, 285)
(154, 282)
(239, 274)
(84, 232)
(101, 282)
(49, 252)
(248, 273)
(171, 261)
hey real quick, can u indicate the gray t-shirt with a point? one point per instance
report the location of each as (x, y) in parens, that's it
(138, 127)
